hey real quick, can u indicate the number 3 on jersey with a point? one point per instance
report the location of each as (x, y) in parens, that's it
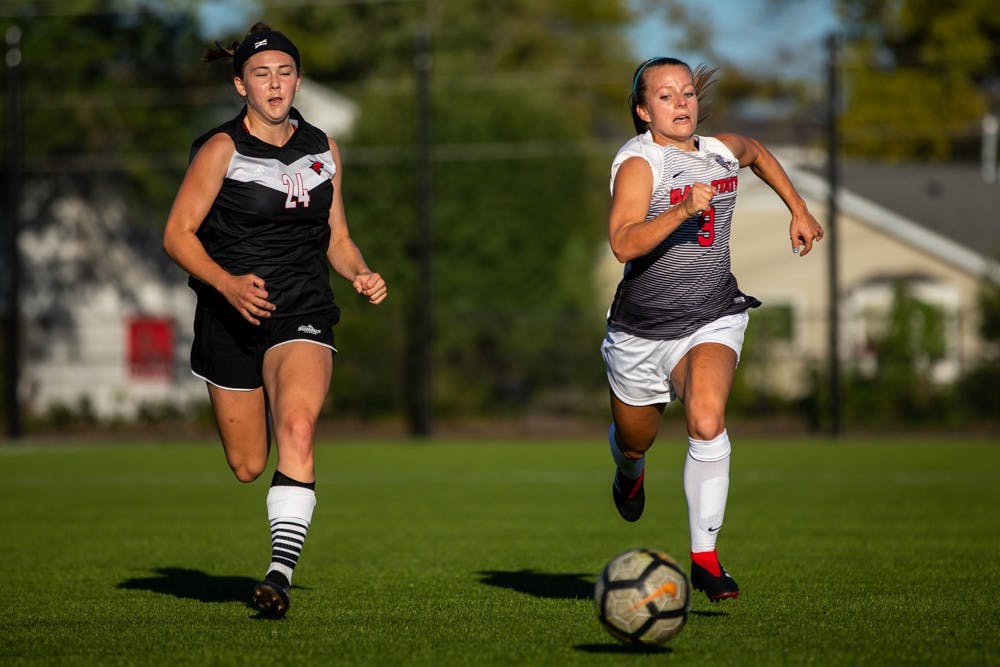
(706, 227)
(706, 221)
(297, 191)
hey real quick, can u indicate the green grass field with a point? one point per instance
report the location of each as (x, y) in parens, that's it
(485, 553)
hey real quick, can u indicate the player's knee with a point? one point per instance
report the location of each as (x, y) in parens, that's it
(246, 468)
(297, 433)
(633, 443)
(705, 426)
(246, 473)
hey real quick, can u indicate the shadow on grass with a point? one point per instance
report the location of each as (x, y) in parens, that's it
(567, 587)
(193, 584)
(541, 584)
(623, 649)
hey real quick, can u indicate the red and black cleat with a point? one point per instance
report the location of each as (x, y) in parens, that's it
(629, 495)
(715, 587)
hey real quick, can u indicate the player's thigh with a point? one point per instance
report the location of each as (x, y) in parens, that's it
(297, 379)
(703, 379)
(241, 417)
(636, 425)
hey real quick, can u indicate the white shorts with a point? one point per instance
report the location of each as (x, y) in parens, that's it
(639, 368)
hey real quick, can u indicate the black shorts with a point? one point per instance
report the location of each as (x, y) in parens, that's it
(229, 352)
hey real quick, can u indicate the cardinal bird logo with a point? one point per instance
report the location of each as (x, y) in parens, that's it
(317, 166)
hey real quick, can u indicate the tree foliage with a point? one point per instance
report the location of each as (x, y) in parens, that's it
(110, 97)
(519, 89)
(918, 75)
(989, 308)
(978, 388)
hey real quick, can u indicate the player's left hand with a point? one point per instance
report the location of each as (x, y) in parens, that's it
(803, 231)
(372, 286)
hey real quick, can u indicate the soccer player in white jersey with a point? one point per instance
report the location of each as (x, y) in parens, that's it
(675, 327)
(258, 222)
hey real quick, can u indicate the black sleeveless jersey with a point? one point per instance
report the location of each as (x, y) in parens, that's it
(271, 218)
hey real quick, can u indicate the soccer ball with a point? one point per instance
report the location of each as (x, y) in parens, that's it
(642, 597)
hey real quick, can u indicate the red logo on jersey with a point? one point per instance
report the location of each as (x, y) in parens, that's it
(317, 166)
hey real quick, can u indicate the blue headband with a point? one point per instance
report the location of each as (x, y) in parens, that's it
(638, 73)
(658, 60)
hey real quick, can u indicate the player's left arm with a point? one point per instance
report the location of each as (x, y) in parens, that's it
(343, 254)
(803, 229)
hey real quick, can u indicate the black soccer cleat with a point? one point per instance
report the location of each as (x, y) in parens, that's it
(716, 588)
(629, 495)
(270, 597)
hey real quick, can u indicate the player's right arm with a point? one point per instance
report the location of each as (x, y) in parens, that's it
(630, 234)
(198, 190)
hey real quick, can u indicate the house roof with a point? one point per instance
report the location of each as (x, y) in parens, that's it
(950, 199)
(946, 209)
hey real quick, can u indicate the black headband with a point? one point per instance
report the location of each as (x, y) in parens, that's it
(263, 41)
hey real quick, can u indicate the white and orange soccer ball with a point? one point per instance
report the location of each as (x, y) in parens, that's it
(642, 597)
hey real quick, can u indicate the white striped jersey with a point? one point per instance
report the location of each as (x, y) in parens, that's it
(686, 281)
(271, 217)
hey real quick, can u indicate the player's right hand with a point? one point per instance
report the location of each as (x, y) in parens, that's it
(697, 200)
(247, 295)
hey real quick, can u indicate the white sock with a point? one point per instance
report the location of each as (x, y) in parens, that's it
(706, 486)
(289, 511)
(630, 467)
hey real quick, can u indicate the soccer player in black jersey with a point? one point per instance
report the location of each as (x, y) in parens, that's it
(675, 327)
(258, 222)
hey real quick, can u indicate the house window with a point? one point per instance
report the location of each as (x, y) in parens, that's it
(916, 317)
(151, 347)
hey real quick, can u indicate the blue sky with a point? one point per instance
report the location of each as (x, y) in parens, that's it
(225, 19)
(747, 32)
(750, 33)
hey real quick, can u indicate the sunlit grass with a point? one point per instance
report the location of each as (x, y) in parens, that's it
(485, 553)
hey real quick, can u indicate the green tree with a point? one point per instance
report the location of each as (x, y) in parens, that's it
(528, 108)
(989, 309)
(917, 76)
(111, 101)
(110, 97)
(519, 91)
(777, 100)
(902, 389)
(978, 388)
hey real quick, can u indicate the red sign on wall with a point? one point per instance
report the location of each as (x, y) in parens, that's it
(151, 347)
